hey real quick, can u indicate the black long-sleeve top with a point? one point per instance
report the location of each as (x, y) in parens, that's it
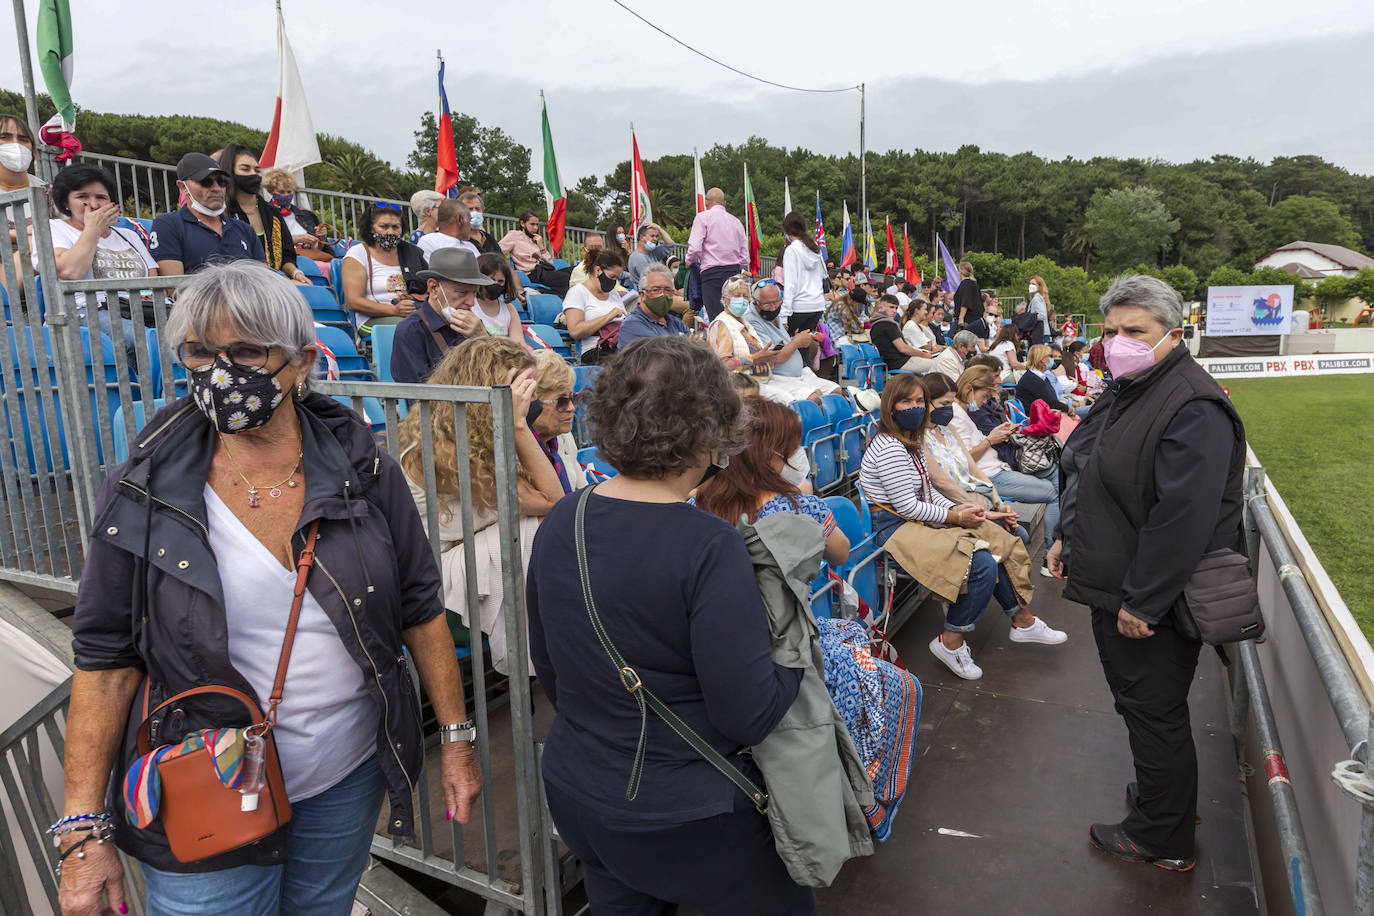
(968, 302)
(1032, 387)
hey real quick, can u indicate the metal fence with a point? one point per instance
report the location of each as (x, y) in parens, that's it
(73, 399)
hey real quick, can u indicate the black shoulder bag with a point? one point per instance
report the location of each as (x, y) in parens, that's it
(629, 679)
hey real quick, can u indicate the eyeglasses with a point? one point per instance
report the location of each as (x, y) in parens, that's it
(383, 205)
(564, 402)
(194, 354)
(214, 181)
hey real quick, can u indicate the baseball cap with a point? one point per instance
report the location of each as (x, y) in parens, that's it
(196, 167)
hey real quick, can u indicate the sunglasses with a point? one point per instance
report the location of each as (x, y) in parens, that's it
(214, 181)
(565, 402)
(383, 205)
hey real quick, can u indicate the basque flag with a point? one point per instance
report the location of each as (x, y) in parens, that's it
(820, 229)
(446, 177)
(847, 257)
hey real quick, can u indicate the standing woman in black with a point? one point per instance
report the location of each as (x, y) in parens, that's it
(247, 203)
(968, 303)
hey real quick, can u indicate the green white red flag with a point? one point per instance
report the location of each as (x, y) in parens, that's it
(54, 34)
(554, 195)
(751, 214)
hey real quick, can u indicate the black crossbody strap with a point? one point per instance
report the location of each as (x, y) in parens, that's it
(646, 699)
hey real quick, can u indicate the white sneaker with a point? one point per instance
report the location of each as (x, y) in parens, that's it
(1045, 571)
(1038, 631)
(959, 660)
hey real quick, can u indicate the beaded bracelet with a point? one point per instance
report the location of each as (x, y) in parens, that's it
(72, 818)
(100, 833)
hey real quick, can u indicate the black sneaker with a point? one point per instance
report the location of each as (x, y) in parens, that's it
(1112, 840)
(1133, 792)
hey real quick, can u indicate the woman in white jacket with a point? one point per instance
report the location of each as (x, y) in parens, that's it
(803, 277)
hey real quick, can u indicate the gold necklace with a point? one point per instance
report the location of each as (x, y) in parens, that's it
(275, 490)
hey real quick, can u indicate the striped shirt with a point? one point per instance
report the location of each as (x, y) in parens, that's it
(893, 475)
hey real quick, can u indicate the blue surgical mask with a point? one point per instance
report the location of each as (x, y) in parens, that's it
(476, 219)
(909, 419)
(738, 306)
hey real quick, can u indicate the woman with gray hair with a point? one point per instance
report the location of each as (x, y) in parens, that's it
(199, 612)
(656, 824)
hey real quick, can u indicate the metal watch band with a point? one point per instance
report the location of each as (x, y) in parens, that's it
(461, 731)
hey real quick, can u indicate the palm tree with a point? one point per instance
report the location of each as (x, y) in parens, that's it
(1077, 239)
(359, 173)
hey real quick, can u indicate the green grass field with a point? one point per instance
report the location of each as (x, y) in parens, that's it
(1315, 438)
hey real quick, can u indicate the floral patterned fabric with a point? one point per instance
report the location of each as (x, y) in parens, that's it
(235, 398)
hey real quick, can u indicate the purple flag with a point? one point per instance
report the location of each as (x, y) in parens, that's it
(951, 269)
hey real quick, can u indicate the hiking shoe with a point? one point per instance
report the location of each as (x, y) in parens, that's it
(959, 660)
(1133, 793)
(1038, 631)
(1112, 840)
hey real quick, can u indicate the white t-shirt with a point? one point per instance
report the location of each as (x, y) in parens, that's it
(1003, 352)
(431, 242)
(293, 225)
(386, 283)
(120, 255)
(326, 703)
(579, 297)
(915, 334)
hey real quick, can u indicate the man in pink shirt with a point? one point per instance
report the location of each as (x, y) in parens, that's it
(717, 249)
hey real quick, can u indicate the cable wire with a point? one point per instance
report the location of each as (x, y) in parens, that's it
(723, 63)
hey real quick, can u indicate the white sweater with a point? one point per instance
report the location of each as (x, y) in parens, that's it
(803, 276)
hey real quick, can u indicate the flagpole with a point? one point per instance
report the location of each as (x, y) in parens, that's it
(21, 30)
(863, 161)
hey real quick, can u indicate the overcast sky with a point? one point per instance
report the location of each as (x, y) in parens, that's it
(1175, 79)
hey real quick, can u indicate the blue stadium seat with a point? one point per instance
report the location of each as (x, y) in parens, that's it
(544, 308)
(848, 426)
(312, 270)
(552, 339)
(851, 361)
(121, 442)
(336, 280)
(382, 336)
(326, 309)
(1016, 411)
(877, 368)
(588, 458)
(178, 370)
(529, 284)
(822, 445)
(860, 569)
(585, 375)
(558, 263)
(352, 368)
(823, 594)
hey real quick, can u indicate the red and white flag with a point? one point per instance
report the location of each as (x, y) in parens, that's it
(701, 185)
(291, 144)
(641, 212)
(891, 249)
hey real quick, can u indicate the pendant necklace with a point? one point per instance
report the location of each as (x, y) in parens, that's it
(273, 491)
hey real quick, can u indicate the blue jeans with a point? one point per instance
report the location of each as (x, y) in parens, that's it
(1041, 488)
(327, 846)
(986, 579)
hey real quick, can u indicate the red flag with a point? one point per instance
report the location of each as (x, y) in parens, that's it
(912, 274)
(641, 212)
(751, 218)
(891, 250)
(446, 175)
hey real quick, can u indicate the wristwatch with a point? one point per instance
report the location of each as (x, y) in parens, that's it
(462, 731)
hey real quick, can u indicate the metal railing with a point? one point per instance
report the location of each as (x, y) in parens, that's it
(1250, 699)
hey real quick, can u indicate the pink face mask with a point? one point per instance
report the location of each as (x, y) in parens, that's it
(1127, 356)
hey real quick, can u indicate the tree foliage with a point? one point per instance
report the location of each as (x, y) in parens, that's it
(1128, 225)
(487, 158)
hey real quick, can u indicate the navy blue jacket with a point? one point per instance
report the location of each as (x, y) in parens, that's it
(375, 575)
(1031, 387)
(179, 236)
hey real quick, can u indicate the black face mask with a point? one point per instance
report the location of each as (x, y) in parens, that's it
(248, 184)
(770, 314)
(607, 283)
(493, 292)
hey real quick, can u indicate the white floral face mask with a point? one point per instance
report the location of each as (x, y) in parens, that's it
(235, 398)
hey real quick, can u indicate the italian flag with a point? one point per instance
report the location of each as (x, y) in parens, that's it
(554, 197)
(751, 215)
(55, 59)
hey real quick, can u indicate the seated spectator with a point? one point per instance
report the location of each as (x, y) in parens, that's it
(939, 323)
(705, 651)
(653, 316)
(482, 362)
(16, 157)
(742, 350)
(1038, 384)
(593, 311)
(652, 246)
(425, 205)
(247, 204)
(896, 481)
(1006, 347)
(89, 246)
(308, 234)
(477, 232)
(381, 274)
(844, 316)
(451, 226)
(582, 269)
(769, 476)
(679, 269)
(618, 240)
(493, 305)
(916, 328)
(1076, 364)
(897, 354)
(789, 366)
(553, 420)
(977, 389)
(950, 360)
(525, 248)
(442, 320)
(199, 233)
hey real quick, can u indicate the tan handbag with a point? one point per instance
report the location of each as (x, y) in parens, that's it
(200, 815)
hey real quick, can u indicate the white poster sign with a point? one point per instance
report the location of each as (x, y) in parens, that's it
(1235, 311)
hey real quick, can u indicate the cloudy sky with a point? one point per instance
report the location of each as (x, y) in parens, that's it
(1174, 79)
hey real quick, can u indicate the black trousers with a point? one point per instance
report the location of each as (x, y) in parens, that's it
(1149, 679)
(712, 279)
(719, 866)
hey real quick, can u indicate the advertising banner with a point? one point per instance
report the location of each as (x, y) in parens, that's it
(1287, 366)
(1235, 311)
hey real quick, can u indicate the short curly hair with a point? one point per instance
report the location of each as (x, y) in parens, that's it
(660, 404)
